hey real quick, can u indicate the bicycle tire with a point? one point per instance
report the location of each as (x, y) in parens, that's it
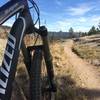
(35, 76)
(46, 95)
(39, 79)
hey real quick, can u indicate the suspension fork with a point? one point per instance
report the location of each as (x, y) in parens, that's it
(27, 55)
(48, 57)
(9, 64)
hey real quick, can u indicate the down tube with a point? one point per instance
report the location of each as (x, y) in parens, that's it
(8, 68)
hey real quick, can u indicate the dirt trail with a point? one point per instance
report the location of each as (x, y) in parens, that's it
(87, 73)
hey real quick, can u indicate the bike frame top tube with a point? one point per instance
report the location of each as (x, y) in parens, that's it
(11, 8)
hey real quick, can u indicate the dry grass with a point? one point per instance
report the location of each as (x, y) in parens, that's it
(67, 87)
(89, 50)
(65, 78)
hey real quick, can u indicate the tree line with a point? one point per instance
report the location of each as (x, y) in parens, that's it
(93, 30)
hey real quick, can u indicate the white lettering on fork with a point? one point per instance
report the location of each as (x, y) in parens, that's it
(7, 64)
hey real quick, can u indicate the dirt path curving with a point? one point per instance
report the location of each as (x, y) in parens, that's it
(87, 77)
(86, 73)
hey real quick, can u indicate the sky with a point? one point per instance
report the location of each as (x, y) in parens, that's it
(60, 15)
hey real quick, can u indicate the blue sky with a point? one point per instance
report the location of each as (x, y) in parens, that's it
(63, 14)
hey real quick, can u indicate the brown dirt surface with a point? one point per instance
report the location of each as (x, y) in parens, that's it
(87, 74)
(71, 69)
(86, 71)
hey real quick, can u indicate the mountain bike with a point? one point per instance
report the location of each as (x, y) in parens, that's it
(42, 84)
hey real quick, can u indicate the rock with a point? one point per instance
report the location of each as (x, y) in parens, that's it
(96, 62)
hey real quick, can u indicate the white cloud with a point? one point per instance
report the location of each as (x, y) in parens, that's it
(79, 23)
(95, 19)
(63, 23)
(81, 9)
(82, 19)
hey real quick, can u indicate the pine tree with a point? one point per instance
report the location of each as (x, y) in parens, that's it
(71, 32)
(92, 31)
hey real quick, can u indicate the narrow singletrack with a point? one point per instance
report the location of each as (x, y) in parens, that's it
(86, 72)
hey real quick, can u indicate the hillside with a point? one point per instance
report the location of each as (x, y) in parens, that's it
(88, 48)
(76, 77)
(67, 85)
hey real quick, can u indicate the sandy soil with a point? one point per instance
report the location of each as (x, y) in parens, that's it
(86, 73)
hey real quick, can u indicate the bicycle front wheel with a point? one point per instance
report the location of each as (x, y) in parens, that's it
(47, 94)
(39, 82)
(35, 76)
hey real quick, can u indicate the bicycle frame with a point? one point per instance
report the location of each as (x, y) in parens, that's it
(11, 8)
(8, 67)
(22, 25)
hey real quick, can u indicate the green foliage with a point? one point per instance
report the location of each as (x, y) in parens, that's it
(99, 25)
(71, 31)
(98, 30)
(92, 31)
